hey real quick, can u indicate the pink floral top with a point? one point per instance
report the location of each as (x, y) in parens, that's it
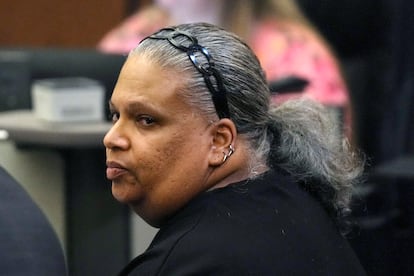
(288, 49)
(127, 35)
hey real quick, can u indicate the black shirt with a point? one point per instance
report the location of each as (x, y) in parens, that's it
(265, 226)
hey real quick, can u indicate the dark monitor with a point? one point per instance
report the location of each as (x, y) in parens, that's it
(19, 67)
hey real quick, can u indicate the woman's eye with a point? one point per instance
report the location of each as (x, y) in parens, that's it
(146, 120)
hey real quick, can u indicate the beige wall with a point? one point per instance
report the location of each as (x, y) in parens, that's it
(40, 172)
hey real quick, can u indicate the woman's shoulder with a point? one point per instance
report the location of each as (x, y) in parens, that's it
(250, 225)
(270, 205)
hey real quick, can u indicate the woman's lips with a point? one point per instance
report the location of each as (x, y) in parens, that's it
(114, 170)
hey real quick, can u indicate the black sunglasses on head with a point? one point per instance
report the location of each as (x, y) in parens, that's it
(202, 61)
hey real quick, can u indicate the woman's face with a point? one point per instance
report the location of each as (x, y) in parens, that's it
(158, 147)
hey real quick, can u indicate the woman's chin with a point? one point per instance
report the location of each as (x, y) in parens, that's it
(122, 193)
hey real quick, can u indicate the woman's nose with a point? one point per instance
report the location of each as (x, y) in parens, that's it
(115, 138)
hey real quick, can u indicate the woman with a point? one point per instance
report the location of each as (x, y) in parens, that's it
(236, 186)
(285, 42)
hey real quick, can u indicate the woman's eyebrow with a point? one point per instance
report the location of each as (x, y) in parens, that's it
(134, 106)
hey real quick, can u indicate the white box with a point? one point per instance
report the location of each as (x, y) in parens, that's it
(70, 99)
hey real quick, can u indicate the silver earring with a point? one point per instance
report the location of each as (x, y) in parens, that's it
(228, 154)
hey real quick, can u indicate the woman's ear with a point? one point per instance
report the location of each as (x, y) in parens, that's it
(223, 139)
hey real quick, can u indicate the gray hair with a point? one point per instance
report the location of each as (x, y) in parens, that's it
(298, 136)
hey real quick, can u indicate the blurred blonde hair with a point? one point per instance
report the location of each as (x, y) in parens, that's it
(238, 15)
